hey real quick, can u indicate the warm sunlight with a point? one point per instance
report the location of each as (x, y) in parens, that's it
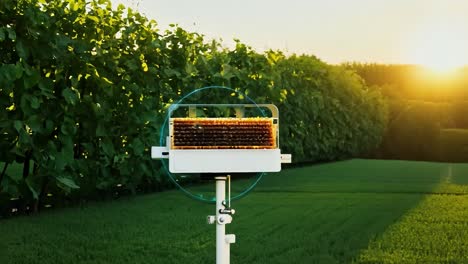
(441, 48)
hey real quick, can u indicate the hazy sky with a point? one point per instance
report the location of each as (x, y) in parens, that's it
(391, 31)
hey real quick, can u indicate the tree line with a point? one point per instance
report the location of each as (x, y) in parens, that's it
(427, 111)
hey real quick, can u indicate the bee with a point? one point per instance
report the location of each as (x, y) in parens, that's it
(197, 127)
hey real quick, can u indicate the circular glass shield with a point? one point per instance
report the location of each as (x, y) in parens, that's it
(234, 124)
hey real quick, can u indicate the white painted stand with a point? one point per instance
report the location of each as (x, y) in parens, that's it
(222, 161)
(222, 218)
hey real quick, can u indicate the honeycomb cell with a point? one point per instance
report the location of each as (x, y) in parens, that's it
(223, 133)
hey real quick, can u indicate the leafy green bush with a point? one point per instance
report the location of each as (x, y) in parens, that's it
(85, 88)
(78, 91)
(330, 114)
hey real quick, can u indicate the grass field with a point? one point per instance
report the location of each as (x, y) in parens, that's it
(361, 211)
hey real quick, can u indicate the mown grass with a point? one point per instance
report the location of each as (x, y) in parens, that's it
(351, 211)
(435, 231)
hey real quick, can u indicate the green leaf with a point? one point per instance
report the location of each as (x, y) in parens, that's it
(88, 147)
(33, 187)
(108, 147)
(49, 126)
(11, 72)
(18, 71)
(68, 128)
(60, 161)
(132, 65)
(101, 130)
(68, 182)
(9, 186)
(93, 18)
(138, 146)
(2, 34)
(35, 123)
(11, 33)
(64, 157)
(107, 80)
(145, 170)
(25, 105)
(46, 85)
(31, 80)
(62, 41)
(18, 125)
(24, 137)
(70, 96)
(172, 72)
(22, 49)
(75, 5)
(35, 103)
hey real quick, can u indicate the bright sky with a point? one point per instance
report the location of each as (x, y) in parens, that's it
(429, 32)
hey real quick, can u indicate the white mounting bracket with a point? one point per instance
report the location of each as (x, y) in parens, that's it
(286, 158)
(224, 219)
(159, 152)
(230, 238)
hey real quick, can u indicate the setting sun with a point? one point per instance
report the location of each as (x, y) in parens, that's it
(441, 48)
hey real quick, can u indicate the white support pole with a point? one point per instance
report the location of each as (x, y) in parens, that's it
(220, 227)
(222, 241)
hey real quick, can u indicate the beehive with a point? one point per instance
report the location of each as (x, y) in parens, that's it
(223, 133)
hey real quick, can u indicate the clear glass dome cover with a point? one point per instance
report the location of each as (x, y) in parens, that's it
(205, 103)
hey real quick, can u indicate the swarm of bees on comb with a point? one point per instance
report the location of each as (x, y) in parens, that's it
(223, 133)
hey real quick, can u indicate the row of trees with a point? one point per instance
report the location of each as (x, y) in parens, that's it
(427, 111)
(414, 82)
(84, 88)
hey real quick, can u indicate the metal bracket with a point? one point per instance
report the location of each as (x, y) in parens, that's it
(228, 211)
(211, 219)
(230, 238)
(286, 158)
(159, 152)
(224, 219)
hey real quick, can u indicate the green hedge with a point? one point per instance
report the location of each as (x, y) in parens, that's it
(84, 88)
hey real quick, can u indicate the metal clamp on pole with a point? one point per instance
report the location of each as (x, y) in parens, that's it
(227, 207)
(228, 211)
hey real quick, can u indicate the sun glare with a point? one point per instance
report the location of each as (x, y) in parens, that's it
(441, 48)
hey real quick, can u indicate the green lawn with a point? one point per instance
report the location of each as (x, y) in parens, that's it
(361, 210)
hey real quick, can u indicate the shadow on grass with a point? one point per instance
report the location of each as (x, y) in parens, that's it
(432, 232)
(328, 213)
